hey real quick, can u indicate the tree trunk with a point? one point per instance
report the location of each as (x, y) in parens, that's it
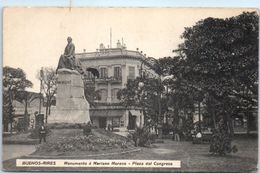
(199, 117)
(26, 115)
(46, 112)
(230, 125)
(10, 113)
(49, 109)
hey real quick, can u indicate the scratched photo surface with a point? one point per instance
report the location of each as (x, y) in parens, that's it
(130, 89)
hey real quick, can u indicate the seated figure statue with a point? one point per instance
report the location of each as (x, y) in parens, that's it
(67, 60)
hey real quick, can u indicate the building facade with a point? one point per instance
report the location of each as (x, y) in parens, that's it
(116, 66)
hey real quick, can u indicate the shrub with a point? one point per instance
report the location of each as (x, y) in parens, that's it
(81, 143)
(34, 133)
(221, 141)
(65, 126)
(87, 129)
(141, 137)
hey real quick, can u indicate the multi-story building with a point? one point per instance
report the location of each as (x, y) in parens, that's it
(116, 66)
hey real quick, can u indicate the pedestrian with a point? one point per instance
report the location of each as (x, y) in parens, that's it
(176, 134)
(109, 128)
(42, 133)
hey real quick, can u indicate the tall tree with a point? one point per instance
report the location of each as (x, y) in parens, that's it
(26, 98)
(146, 96)
(49, 86)
(221, 61)
(14, 80)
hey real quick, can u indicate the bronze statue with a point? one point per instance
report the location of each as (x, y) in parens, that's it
(69, 61)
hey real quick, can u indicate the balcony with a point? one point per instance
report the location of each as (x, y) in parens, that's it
(110, 79)
(130, 78)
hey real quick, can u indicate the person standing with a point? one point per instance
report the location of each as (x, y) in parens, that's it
(42, 133)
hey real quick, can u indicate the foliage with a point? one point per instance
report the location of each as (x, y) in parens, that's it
(219, 60)
(26, 97)
(48, 77)
(82, 143)
(65, 126)
(141, 137)
(180, 97)
(87, 129)
(221, 142)
(34, 133)
(8, 110)
(147, 97)
(14, 81)
(187, 128)
(90, 93)
(221, 57)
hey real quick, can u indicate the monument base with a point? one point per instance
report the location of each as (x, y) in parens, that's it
(68, 116)
(71, 104)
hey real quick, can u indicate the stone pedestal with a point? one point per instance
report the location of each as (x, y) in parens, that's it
(71, 104)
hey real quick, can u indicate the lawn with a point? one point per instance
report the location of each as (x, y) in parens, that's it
(194, 157)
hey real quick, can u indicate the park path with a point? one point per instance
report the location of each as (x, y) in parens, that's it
(10, 151)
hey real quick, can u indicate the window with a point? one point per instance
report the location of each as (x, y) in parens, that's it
(131, 74)
(114, 94)
(103, 72)
(117, 72)
(122, 123)
(116, 122)
(89, 75)
(103, 95)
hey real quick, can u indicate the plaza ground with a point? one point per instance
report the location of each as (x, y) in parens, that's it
(194, 157)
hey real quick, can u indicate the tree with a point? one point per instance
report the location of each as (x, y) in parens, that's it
(49, 87)
(8, 111)
(26, 98)
(182, 96)
(14, 80)
(146, 97)
(220, 59)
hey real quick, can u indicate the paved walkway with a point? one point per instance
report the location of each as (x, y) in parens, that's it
(12, 150)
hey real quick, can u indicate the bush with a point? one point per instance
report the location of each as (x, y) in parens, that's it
(82, 143)
(141, 137)
(34, 134)
(87, 129)
(221, 141)
(65, 126)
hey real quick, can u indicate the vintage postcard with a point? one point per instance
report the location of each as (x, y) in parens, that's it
(130, 89)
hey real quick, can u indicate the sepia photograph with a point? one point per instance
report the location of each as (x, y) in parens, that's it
(130, 89)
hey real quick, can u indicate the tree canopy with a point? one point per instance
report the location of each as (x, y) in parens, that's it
(221, 56)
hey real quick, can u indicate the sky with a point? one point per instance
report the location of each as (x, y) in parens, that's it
(36, 37)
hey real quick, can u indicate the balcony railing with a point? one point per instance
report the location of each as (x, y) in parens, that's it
(110, 79)
(130, 78)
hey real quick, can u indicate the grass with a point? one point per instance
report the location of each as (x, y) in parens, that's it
(194, 157)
